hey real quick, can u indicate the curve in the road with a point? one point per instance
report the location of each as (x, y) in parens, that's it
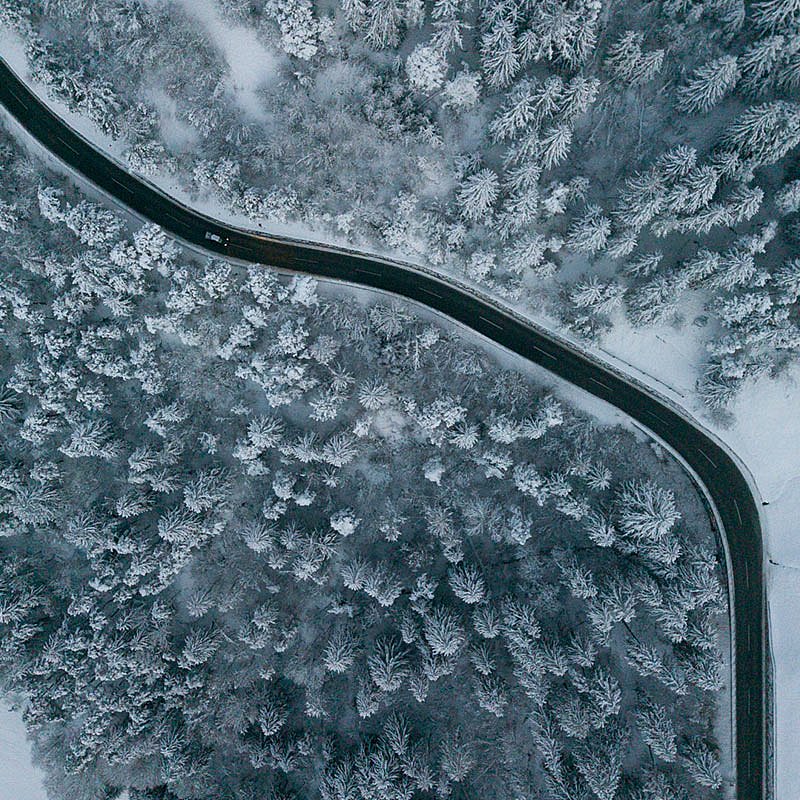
(714, 465)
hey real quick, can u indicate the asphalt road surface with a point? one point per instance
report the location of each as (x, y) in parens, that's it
(717, 470)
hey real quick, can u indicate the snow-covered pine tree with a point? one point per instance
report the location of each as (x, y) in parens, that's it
(736, 267)
(93, 225)
(355, 12)
(198, 648)
(758, 64)
(299, 27)
(763, 134)
(589, 233)
(696, 189)
(628, 63)
(387, 665)
(554, 144)
(776, 15)
(622, 243)
(91, 440)
(599, 296)
(788, 77)
(467, 584)
(644, 265)
(446, 17)
(381, 24)
(658, 732)
(499, 55)
(702, 764)
(443, 631)
(462, 92)
(646, 510)
(786, 280)
(518, 111)
(426, 68)
(641, 199)
(600, 763)
(708, 84)
(787, 198)
(477, 194)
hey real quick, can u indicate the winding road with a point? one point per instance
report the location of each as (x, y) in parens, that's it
(714, 465)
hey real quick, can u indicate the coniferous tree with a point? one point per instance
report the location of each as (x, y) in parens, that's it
(478, 193)
(589, 233)
(776, 15)
(765, 133)
(708, 84)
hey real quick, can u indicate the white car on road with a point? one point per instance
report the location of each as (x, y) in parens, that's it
(216, 238)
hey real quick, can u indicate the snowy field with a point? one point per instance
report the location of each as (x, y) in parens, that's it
(19, 778)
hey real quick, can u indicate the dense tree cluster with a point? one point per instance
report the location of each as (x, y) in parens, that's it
(257, 542)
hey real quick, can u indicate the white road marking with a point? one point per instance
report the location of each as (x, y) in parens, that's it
(736, 506)
(747, 579)
(368, 272)
(19, 99)
(544, 352)
(656, 416)
(499, 327)
(706, 457)
(428, 291)
(600, 383)
(67, 144)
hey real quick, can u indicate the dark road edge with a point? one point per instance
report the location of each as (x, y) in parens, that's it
(715, 466)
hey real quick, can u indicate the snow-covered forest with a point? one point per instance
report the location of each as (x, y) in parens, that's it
(591, 159)
(260, 542)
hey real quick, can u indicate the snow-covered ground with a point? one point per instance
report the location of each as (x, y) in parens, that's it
(19, 778)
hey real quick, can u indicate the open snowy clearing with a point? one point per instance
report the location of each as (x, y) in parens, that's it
(19, 778)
